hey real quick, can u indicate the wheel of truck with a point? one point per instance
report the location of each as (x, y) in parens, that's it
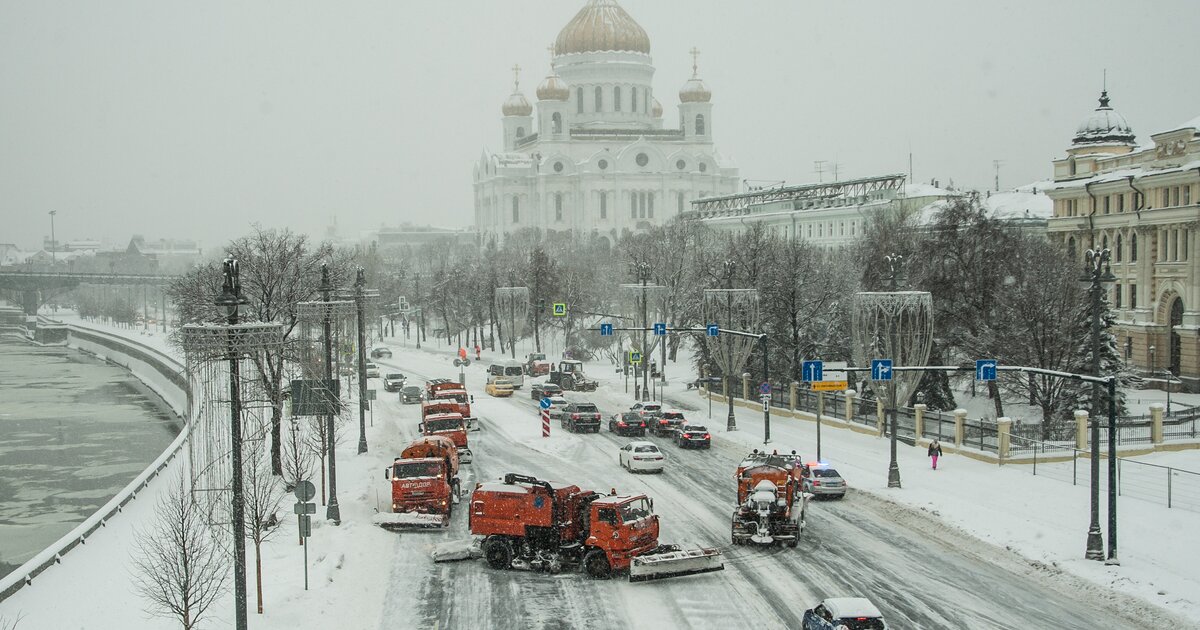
(498, 553)
(595, 563)
(449, 513)
(793, 542)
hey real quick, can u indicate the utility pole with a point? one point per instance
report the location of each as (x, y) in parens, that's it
(333, 512)
(230, 299)
(819, 168)
(359, 299)
(996, 165)
(53, 242)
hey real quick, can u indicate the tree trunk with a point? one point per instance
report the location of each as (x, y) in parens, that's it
(276, 434)
(258, 572)
(322, 460)
(994, 392)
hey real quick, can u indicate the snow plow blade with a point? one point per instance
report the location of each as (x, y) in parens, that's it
(457, 550)
(464, 456)
(472, 423)
(660, 566)
(409, 520)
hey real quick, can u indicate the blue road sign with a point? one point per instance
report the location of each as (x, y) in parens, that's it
(881, 369)
(660, 329)
(713, 330)
(813, 371)
(765, 389)
(544, 403)
(635, 357)
(606, 330)
(985, 370)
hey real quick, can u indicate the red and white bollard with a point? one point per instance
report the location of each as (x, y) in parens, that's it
(545, 423)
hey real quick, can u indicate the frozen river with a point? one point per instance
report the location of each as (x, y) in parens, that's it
(74, 430)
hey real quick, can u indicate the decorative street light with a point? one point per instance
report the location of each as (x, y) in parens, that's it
(1097, 273)
(333, 511)
(642, 271)
(53, 242)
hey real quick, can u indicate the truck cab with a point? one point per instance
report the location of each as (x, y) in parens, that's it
(536, 364)
(570, 376)
(451, 426)
(621, 526)
(422, 486)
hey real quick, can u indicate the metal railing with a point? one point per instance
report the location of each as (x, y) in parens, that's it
(53, 554)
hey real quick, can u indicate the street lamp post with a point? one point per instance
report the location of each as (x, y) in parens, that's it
(53, 242)
(893, 261)
(333, 511)
(642, 269)
(1096, 272)
(230, 299)
(359, 299)
(730, 266)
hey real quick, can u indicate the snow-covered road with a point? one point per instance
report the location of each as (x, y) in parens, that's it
(921, 573)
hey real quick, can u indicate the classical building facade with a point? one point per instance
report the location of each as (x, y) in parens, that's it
(593, 155)
(1140, 202)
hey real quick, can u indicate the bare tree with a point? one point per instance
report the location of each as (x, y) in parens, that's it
(178, 567)
(263, 495)
(10, 624)
(297, 456)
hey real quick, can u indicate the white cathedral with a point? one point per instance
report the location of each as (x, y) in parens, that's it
(599, 160)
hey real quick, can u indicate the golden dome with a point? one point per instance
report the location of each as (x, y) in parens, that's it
(553, 89)
(694, 91)
(516, 105)
(602, 25)
(657, 110)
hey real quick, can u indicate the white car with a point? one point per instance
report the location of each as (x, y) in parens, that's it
(557, 404)
(853, 613)
(372, 370)
(641, 457)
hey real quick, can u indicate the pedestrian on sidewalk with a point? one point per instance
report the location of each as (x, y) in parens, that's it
(477, 350)
(935, 451)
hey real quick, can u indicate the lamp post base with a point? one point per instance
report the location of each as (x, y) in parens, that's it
(1095, 544)
(362, 445)
(893, 475)
(333, 512)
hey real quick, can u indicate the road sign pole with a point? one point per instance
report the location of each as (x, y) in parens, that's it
(820, 410)
(767, 384)
(306, 565)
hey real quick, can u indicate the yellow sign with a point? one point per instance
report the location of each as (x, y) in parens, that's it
(830, 386)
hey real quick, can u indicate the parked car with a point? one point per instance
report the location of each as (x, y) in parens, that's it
(539, 391)
(852, 613)
(641, 457)
(581, 417)
(824, 481)
(693, 436)
(668, 423)
(410, 395)
(372, 370)
(499, 387)
(393, 381)
(381, 353)
(627, 423)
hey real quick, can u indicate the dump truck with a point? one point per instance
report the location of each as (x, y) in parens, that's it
(424, 484)
(458, 397)
(536, 364)
(770, 501)
(446, 424)
(528, 523)
(570, 377)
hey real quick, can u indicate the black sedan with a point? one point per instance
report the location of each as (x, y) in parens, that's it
(381, 353)
(538, 391)
(693, 436)
(627, 423)
(410, 395)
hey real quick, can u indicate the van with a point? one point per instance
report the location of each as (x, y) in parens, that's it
(511, 370)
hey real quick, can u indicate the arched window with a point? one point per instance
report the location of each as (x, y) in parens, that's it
(516, 209)
(633, 205)
(1104, 242)
(520, 132)
(617, 99)
(633, 99)
(599, 99)
(1117, 251)
(1071, 165)
(578, 100)
(1133, 249)
(558, 206)
(603, 205)
(650, 205)
(699, 124)
(556, 122)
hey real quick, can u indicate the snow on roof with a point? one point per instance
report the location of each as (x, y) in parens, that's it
(1018, 205)
(496, 486)
(614, 499)
(925, 190)
(842, 607)
(1191, 124)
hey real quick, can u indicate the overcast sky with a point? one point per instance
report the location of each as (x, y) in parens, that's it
(197, 119)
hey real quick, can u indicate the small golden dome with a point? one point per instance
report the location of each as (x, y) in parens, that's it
(517, 105)
(600, 26)
(657, 110)
(694, 91)
(553, 89)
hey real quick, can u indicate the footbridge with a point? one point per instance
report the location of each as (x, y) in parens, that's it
(35, 287)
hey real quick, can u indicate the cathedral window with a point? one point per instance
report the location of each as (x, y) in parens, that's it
(1117, 295)
(642, 159)
(703, 167)
(633, 100)
(680, 164)
(516, 209)
(556, 122)
(650, 205)
(603, 164)
(578, 100)
(603, 205)
(699, 124)
(1121, 202)
(1117, 251)
(520, 132)
(617, 99)
(558, 167)
(679, 203)
(1133, 247)
(633, 205)
(599, 98)
(558, 207)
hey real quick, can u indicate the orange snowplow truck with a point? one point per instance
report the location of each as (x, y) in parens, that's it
(770, 499)
(438, 419)
(547, 526)
(424, 483)
(452, 393)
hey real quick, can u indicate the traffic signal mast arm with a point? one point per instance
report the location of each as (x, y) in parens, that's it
(736, 333)
(971, 368)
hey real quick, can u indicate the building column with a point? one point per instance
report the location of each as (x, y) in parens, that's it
(1003, 437)
(792, 396)
(919, 421)
(850, 394)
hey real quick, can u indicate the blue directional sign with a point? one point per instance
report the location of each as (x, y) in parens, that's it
(881, 369)
(813, 371)
(544, 403)
(713, 330)
(765, 389)
(985, 370)
(660, 329)
(606, 330)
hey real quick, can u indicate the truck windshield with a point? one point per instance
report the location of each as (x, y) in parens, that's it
(632, 511)
(415, 470)
(455, 395)
(443, 425)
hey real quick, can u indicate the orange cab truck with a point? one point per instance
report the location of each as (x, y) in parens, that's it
(547, 526)
(770, 500)
(437, 421)
(425, 484)
(453, 393)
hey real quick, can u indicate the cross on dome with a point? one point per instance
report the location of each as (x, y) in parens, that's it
(695, 52)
